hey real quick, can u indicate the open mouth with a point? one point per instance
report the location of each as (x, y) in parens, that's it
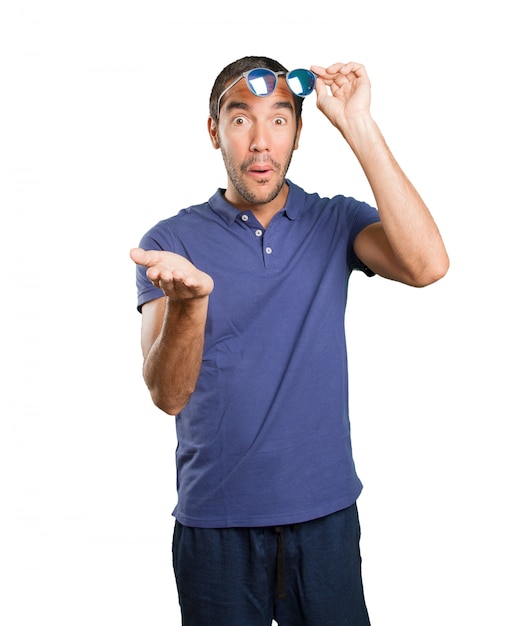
(260, 170)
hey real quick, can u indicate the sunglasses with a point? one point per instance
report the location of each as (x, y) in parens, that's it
(262, 82)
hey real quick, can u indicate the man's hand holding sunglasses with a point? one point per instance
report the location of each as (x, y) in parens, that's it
(343, 92)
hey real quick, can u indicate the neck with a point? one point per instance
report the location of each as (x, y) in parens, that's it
(263, 211)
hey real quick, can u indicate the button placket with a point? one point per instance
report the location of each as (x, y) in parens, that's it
(267, 250)
(261, 235)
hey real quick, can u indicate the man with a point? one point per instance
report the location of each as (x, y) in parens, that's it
(243, 305)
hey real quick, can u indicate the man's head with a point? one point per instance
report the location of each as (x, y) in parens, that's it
(234, 70)
(255, 120)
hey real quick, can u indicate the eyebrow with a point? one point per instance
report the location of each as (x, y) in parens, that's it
(233, 104)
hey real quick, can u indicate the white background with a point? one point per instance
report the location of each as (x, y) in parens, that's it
(103, 133)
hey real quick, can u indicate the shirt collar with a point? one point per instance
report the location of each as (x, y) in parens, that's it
(292, 208)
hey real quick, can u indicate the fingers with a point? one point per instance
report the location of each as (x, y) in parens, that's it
(176, 283)
(161, 265)
(179, 285)
(345, 69)
(340, 76)
(161, 276)
(159, 271)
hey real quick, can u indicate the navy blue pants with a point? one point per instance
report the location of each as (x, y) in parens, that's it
(302, 574)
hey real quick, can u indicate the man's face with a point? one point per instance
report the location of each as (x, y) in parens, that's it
(257, 136)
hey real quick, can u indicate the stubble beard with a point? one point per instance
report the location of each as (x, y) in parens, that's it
(255, 197)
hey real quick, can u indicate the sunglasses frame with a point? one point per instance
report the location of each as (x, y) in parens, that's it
(246, 74)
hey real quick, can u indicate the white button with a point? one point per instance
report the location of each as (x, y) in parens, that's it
(244, 218)
(268, 250)
(258, 232)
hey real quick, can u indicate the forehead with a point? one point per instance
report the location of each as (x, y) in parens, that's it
(240, 96)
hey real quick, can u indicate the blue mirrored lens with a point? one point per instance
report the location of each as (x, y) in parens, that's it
(301, 82)
(262, 82)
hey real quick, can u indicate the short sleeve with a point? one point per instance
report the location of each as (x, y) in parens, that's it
(363, 216)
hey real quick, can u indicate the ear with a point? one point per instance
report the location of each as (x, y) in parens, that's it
(297, 136)
(212, 129)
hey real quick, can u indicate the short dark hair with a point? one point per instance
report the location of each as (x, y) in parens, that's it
(234, 70)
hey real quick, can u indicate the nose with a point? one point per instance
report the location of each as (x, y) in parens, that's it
(260, 139)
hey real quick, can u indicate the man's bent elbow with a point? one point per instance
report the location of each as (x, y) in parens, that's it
(170, 403)
(170, 394)
(171, 406)
(432, 273)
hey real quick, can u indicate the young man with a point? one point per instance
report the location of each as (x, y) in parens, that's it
(243, 303)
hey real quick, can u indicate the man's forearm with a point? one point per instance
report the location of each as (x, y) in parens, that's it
(172, 366)
(408, 224)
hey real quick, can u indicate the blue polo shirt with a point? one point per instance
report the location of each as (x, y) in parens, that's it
(265, 437)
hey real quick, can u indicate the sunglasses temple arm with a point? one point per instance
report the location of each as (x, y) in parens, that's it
(225, 91)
